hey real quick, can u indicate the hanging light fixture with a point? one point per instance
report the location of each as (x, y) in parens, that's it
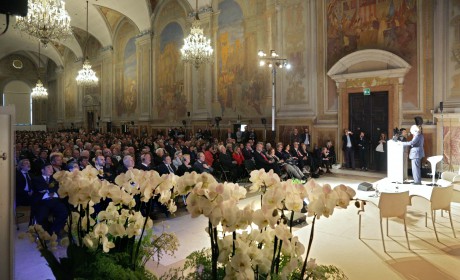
(46, 19)
(39, 91)
(197, 48)
(86, 76)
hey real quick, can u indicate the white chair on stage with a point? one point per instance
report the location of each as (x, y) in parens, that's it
(441, 198)
(391, 205)
(434, 161)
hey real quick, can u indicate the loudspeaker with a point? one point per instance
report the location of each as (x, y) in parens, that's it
(263, 120)
(109, 126)
(365, 186)
(441, 106)
(124, 128)
(188, 114)
(14, 7)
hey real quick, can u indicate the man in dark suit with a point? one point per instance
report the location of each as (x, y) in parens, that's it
(45, 189)
(146, 160)
(166, 167)
(363, 147)
(348, 148)
(262, 160)
(227, 163)
(248, 152)
(23, 183)
(200, 165)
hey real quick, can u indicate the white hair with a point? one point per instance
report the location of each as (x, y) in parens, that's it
(414, 129)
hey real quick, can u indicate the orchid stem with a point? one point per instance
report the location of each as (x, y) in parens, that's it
(142, 234)
(304, 267)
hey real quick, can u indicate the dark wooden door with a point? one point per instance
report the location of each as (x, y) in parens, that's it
(369, 113)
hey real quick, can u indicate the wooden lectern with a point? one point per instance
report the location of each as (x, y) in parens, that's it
(396, 161)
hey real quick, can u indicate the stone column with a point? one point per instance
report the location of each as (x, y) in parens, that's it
(144, 67)
(60, 100)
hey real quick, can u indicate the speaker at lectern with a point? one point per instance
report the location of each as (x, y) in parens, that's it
(396, 162)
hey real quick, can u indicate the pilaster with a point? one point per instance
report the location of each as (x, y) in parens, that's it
(144, 67)
(106, 84)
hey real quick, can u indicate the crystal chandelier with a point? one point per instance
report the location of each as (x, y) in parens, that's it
(197, 48)
(39, 91)
(86, 76)
(46, 19)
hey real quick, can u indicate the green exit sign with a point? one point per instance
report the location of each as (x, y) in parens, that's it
(367, 91)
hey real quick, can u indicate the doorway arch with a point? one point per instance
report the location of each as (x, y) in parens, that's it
(17, 93)
(378, 70)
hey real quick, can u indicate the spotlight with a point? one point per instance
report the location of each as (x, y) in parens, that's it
(261, 53)
(262, 63)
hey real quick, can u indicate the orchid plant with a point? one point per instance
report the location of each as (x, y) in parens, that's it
(257, 243)
(121, 232)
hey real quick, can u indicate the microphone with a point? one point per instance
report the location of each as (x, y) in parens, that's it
(441, 107)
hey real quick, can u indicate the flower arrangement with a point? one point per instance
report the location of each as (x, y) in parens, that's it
(116, 241)
(246, 243)
(251, 243)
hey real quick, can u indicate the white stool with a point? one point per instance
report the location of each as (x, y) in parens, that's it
(434, 161)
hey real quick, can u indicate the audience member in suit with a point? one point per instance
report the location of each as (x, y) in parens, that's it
(348, 148)
(178, 159)
(23, 183)
(146, 160)
(56, 160)
(227, 163)
(45, 189)
(185, 166)
(166, 167)
(248, 152)
(170, 147)
(158, 157)
(39, 162)
(262, 161)
(302, 159)
(201, 166)
(128, 164)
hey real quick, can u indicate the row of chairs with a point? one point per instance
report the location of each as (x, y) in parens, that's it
(394, 205)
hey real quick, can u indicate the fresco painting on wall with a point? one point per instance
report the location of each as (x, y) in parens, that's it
(126, 97)
(239, 86)
(70, 86)
(295, 48)
(390, 25)
(452, 144)
(171, 99)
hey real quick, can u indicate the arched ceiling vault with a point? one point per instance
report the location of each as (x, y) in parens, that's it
(102, 15)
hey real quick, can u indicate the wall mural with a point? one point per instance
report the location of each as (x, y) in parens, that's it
(171, 99)
(239, 85)
(390, 25)
(126, 75)
(70, 85)
(295, 48)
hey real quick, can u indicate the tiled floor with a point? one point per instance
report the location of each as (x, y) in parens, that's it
(336, 242)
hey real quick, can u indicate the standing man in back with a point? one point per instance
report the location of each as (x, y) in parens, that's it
(348, 148)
